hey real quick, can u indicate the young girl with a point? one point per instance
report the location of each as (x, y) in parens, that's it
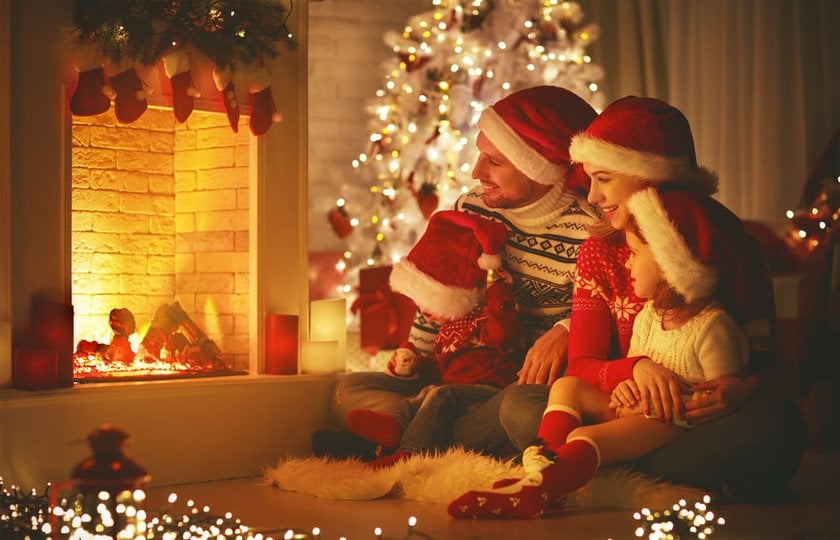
(676, 253)
(454, 274)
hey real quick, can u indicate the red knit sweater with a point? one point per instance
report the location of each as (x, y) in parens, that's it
(483, 347)
(604, 307)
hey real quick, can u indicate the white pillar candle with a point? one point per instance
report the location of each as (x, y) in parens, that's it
(318, 356)
(328, 322)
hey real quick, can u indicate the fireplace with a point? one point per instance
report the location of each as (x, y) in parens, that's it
(160, 235)
(182, 430)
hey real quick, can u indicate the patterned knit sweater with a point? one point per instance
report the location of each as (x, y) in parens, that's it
(707, 346)
(541, 252)
(604, 307)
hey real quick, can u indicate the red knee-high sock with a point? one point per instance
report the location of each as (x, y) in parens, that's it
(557, 422)
(574, 465)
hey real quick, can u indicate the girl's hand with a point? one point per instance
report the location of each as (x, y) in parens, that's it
(626, 394)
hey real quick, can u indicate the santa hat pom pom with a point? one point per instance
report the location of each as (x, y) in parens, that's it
(489, 261)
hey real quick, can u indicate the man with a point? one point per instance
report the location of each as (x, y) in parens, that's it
(528, 184)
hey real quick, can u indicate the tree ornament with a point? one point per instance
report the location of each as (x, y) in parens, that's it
(427, 199)
(129, 95)
(223, 82)
(340, 222)
(176, 65)
(88, 98)
(263, 110)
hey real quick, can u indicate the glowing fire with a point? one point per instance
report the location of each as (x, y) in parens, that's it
(176, 349)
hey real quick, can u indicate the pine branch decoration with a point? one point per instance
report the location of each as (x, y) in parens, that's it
(230, 33)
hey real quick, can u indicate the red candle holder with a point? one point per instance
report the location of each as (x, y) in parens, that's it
(52, 327)
(35, 369)
(281, 344)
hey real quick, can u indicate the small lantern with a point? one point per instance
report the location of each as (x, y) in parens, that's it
(109, 483)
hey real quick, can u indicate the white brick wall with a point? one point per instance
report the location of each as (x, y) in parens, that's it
(345, 53)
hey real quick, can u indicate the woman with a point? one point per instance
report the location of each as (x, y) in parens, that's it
(635, 143)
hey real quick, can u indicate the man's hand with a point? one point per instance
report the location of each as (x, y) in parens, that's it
(546, 358)
(660, 390)
(719, 397)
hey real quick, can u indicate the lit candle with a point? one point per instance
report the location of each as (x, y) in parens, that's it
(35, 369)
(318, 356)
(281, 344)
(52, 327)
(328, 322)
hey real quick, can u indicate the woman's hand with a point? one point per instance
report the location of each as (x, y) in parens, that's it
(718, 397)
(546, 358)
(660, 390)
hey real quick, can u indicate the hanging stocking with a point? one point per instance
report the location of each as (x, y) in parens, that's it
(88, 99)
(129, 95)
(176, 65)
(263, 110)
(222, 79)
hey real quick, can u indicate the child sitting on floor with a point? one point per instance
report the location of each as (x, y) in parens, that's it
(677, 253)
(454, 274)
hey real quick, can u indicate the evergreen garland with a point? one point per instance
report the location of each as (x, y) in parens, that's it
(231, 33)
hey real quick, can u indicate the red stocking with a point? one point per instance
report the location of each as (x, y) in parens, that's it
(88, 98)
(263, 111)
(549, 477)
(557, 422)
(130, 102)
(182, 96)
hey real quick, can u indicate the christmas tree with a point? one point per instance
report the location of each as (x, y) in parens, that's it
(449, 64)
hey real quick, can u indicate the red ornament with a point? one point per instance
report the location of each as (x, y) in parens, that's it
(340, 222)
(427, 199)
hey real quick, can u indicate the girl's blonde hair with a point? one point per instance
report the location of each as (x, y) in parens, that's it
(665, 298)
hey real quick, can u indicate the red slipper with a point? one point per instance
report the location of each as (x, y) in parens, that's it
(381, 428)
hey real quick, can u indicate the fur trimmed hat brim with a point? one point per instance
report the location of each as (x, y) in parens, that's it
(681, 269)
(646, 165)
(431, 295)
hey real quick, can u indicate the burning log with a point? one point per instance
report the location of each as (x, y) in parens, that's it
(173, 328)
(123, 325)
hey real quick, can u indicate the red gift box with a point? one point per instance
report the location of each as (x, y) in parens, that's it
(385, 317)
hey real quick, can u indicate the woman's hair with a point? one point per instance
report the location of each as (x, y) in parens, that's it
(665, 298)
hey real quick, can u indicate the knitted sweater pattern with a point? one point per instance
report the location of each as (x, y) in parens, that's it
(709, 345)
(541, 251)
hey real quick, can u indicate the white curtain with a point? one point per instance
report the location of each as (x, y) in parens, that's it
(759, 80)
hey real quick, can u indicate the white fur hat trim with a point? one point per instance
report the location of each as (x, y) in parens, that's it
(529, 161)
(687, 275)
(431, 295)
(655, 167)
(489, 261)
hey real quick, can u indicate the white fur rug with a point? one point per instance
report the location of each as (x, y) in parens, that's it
(443, 477)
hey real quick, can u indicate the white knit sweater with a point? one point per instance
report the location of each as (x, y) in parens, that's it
(709, 345)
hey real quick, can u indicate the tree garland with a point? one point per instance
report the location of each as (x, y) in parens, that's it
(231, 33)
(235, 35)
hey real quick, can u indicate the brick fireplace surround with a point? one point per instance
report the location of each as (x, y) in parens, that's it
(181, 430)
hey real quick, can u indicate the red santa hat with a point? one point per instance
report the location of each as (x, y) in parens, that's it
(445, 272)
(646, 138)
(692, 237)
(533, 128)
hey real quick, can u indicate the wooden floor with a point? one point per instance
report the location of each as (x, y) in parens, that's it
(812, 513)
